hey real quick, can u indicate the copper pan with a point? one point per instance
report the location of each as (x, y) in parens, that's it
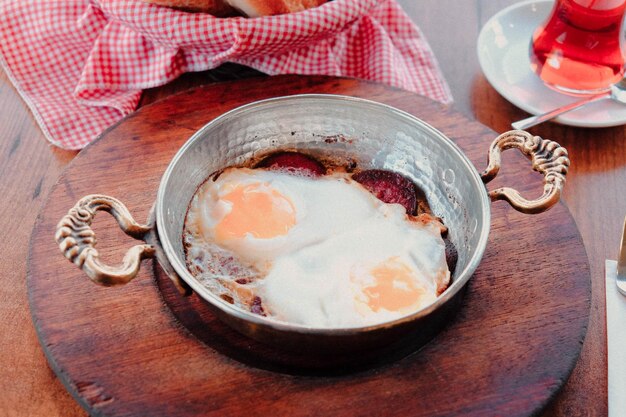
(373, 135)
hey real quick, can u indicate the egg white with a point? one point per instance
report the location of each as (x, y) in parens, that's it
(315, 274)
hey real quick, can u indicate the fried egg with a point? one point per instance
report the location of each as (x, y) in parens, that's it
(318, 251)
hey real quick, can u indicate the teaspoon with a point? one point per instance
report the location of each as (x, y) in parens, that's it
(616, 92)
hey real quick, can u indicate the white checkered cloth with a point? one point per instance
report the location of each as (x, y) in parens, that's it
(81, 65)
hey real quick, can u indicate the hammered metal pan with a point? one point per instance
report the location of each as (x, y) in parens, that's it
(371, 134)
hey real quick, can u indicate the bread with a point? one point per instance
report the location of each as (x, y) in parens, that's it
(256, 8)
(215, 7)
(250, 8)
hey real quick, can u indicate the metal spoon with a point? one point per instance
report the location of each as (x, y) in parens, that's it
(621, 264)
(616, 92)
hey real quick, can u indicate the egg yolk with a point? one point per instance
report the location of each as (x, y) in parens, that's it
(256, 210)
(394, 287)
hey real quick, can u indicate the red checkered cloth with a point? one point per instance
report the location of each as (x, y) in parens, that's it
(81, 65)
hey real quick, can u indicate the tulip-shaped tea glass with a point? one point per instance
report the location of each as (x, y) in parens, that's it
(578, 49)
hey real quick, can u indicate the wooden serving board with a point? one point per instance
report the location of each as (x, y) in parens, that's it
(143, 350)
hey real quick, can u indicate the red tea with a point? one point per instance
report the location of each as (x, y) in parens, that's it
(578, 48)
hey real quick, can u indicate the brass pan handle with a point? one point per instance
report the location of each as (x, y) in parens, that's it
(77, 240)
(547, 157)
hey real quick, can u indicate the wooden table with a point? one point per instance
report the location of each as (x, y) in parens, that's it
(595, 192)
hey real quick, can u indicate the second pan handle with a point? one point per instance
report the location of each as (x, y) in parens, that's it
(547, 157)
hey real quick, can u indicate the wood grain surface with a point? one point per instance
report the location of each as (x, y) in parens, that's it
(121, 352)
(594, 195)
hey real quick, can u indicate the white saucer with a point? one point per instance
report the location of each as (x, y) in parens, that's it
(503, 47)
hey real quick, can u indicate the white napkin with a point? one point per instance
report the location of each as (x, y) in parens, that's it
(616, 335)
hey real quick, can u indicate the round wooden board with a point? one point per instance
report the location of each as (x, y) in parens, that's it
(139, 351)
